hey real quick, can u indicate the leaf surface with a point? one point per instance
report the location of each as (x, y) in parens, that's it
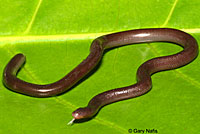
(56, 35)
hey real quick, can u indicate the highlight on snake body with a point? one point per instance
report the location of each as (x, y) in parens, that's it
(144, 72)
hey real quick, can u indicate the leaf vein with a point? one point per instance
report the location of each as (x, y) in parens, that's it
(33, 17)
(170, 13)
(188, 78)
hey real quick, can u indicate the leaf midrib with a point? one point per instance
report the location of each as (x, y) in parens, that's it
(37, 38)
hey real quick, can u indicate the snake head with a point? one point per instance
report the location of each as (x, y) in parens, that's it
(82, 113)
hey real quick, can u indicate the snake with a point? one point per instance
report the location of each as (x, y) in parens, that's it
(97, 48)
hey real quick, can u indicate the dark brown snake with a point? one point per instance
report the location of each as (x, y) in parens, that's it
(144, 72)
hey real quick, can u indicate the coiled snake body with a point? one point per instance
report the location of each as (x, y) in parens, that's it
(98, 46)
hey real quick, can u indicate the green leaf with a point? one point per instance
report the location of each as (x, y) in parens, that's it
(56, 35)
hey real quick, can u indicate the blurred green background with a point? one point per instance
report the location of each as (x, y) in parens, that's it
(56, 35)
